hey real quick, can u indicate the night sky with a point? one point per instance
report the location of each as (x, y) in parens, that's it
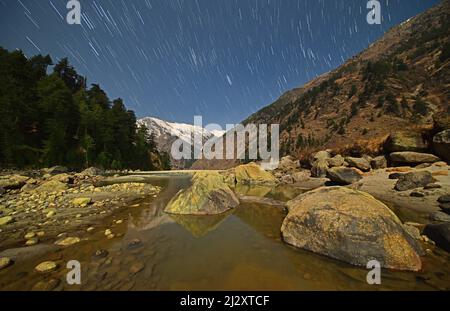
(222, 59)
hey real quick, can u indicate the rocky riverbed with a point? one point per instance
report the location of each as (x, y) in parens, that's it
(397, 214)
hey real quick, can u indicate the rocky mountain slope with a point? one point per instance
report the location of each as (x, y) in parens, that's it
(398, 82)
(165, 133)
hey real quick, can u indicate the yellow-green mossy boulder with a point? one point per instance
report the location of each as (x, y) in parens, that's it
(252, 173)
(351, 226)
(208, 195)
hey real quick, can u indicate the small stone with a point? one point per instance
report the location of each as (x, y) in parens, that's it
(110, 236)
(101, 253)
(50, 214)
(29, 235)
(68, 241)
(81, 202)
(41, 234)
(432, 186)
(136, 268)
(32, 242)
(118, 222)
(108, 232)
(45, 286)
(136, 243)
(417, 194)
(6, 220)
(90, 229)
(46, 267)
(5, 262)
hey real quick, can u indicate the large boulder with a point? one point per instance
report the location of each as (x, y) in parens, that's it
(440, 234)
(378, 162)
(360, 163)
(11, 182)
(405, 141)
(319, 168)
(441, 121)
(252, 173)
(409, 157)
(414, 180)
(441, 145)
(350, 226)
(288, 164)
(336, 161)
(51, 186)
(208, 195)
(55, 170)
(343, 175)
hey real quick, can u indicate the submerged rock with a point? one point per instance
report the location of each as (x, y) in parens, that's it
(208, 195)
(351, 226)
(343, 175)
(414, 180)
(6, 220)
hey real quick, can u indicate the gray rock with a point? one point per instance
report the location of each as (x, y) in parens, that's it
(378, 163)
(360, 163)
(440, 216)
(441, 144)
(417, 194)
(444, 198)
(408, 157)
(343, 175)
(445, 207)
(440, 234)
(414, 180)
(336, 161)
(432, 186)
(395, 175)
(405, 141)
(319, 168)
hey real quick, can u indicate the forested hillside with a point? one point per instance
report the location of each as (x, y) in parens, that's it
(48, 116)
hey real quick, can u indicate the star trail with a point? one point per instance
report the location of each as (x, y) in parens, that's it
(222, 59)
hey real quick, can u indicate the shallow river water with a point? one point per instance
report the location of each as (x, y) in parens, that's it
(241, 250)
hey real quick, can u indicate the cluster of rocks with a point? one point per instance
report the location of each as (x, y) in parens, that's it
(53, 197)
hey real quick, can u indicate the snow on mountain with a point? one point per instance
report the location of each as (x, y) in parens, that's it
(166, 133)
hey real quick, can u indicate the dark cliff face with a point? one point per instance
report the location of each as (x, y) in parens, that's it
(398, 83)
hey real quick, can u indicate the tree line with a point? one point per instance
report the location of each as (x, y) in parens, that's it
(48, 116)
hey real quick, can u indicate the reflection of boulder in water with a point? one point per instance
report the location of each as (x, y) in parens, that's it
(252, 190)
(199, 226)
(286, 192)
(266, 220)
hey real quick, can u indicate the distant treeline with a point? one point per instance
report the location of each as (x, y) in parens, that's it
(52, 118)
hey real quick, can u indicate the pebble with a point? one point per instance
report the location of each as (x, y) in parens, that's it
(46, 267)
(45, 286)
(90, 229)
(32, 242)
(5, 262)
(29, 235)
(135, 244)
(101, 253)
(68, 241)
(108, 232)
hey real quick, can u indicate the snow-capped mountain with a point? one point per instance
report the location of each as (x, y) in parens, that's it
(166, 133)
